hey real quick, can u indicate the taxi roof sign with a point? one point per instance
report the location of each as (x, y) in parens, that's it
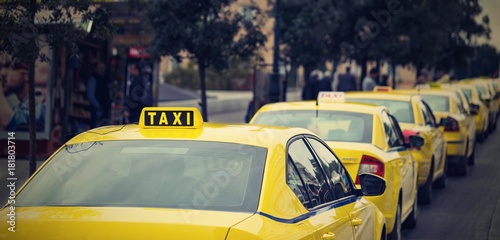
(170, 117)
(435, 85)
(331, 96)
(382, 89)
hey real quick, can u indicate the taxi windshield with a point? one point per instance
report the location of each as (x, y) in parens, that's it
(330, 125)
(162, 174)
(402, 110)
(437, 103)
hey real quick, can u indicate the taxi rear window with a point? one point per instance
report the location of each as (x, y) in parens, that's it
(161, 174)
(402, 110)
(330, 125)
(437, 103)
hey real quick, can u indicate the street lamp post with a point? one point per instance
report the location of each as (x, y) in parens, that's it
(274, 91)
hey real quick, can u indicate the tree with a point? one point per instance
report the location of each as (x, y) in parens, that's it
(22, 23)
(436, 34)
(308, 32)
(209, 31)
(486, 62)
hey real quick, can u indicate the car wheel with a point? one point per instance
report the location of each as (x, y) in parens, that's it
(396, 231)
(425, 192)
(411, 221)
(494, 127)
(472, 158)
(481, 137)
(384, 234)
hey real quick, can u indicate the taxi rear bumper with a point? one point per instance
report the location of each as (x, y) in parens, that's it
(456, 148)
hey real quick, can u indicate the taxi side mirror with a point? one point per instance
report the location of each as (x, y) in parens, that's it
(415, 141)
(443, 122)
(371, 184)
(474, 109)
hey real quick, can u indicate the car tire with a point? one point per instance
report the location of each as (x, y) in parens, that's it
(481, 137)
(425, 192)
(396, 231)
(411, 221)
(384, 234)
(494, 127)
(472, 159)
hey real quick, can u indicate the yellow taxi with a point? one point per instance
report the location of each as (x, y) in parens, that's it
(458, 126)
(486, 95)
(367, 139)
(414, 117)
(171, 175)
(496, 86)
(477, 108)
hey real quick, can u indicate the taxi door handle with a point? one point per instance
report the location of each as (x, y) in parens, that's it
(356, 222)
(328, 236)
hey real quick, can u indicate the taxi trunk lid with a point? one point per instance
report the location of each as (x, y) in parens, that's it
(118, 223)
(350, 154)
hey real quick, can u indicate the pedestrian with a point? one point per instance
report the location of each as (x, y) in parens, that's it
(138, 96)
(98, 95)
(309, 92)
(325, 84)
(369, 82)
(347, 81)
(423, 78)
(442, 77)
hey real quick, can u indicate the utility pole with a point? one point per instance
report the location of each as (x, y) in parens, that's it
(274, 90)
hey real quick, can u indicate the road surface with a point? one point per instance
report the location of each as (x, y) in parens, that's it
(468, 208)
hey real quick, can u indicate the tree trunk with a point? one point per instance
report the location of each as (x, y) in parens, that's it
(31, 99)
(203, 88)
(393, 73)
(32, 120)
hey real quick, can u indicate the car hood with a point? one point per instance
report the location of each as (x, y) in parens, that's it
(81, 223)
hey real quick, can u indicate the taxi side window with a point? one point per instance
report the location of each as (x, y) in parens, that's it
(310, 172)
(340, 179)
(400, 140)
(458, 101)
(295, 183)
(390, 134)
(428, 115)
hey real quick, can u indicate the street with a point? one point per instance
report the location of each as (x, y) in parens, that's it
(468, 208)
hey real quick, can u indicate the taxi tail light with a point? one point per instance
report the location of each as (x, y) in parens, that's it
(451, 125)
(372, 165)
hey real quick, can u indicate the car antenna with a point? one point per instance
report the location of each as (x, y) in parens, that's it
(317, 105)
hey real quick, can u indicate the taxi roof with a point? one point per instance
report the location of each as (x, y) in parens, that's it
(250, 134)
(433, 91)
(338, 106)
(380, 95)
